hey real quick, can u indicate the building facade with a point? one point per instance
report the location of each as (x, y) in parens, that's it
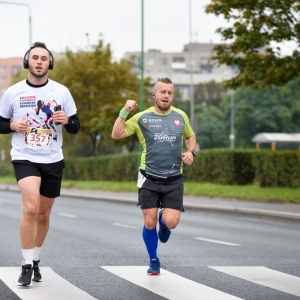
(8, 68)
(190, 67)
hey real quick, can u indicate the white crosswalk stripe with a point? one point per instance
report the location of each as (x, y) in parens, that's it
(266, 277)
(43, 290)
(168, 285)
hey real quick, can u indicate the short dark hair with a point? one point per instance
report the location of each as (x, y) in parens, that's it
(164, 80)
(39, 45)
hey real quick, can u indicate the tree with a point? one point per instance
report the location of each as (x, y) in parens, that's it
(267, 110)
(100, 87)
(210, 93)
(254, 41)
(211, 132)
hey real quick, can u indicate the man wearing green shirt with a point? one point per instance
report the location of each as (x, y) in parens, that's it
(161, 130)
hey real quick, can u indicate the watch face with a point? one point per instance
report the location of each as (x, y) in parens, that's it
(194, 152)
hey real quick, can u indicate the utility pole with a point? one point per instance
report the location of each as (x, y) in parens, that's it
(232, 136)
(192, 117)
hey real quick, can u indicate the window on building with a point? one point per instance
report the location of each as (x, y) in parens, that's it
(149, 61)
(2, 90)
(204, 61)
(192, 61)
(206, 65)
(15, 70)
(178, 59)
(164, 61)
(3, 79)
(178, 71)
(2, 68)
(137, 61)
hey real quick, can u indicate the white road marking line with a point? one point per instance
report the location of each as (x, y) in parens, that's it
(266, 277)
(52, 287)
(216, 241)
(124, 225)
(168, 285)
(67, 215)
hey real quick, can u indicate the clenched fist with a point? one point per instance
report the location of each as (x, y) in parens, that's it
(130, 105)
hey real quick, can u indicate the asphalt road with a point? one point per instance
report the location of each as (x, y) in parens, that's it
(97, 250)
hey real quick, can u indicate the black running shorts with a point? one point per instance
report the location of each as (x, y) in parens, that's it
(162, 194)
(51, 175)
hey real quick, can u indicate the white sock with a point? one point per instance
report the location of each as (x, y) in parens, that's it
(27, 256)
(36, 253)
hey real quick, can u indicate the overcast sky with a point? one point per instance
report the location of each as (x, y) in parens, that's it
(66, 23)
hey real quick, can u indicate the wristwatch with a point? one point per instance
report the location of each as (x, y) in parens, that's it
(193, 152)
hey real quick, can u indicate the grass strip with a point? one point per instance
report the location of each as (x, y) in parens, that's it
(246, 192)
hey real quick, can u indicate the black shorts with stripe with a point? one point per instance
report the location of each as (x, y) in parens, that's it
(161, 194)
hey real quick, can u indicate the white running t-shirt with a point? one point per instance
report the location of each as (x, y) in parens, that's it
(43, 140)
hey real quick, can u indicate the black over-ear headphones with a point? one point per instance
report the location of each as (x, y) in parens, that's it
(35, 45)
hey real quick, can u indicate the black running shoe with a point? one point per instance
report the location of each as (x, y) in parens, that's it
(25, 277)
(36, 271)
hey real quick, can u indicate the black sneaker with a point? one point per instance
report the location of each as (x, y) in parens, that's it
(36, 271)
(25, 277)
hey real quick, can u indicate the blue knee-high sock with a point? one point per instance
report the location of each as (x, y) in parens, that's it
(151, 241)
(161, 222)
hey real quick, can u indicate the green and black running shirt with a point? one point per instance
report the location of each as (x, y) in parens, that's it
(161, 136)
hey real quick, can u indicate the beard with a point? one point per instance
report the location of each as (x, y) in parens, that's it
(162, 108)
(37, 75)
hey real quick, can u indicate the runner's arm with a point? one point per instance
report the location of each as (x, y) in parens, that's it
(191, 143)
(73, 125)
(5, 126)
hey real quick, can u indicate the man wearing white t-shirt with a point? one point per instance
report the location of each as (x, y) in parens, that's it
(34, 111)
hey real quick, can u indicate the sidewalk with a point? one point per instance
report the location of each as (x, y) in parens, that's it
(291, 211)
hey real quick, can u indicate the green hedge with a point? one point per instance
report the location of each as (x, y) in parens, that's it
(6, 169)
(237, 167)
(107, 167)
(232, 167)
(278, 168)
(222, 166)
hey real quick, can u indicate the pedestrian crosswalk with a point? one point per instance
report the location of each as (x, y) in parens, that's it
(168, 285)
(265, 276)
(53, 287)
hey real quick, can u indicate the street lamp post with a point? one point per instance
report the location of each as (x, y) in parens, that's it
(29, 18)
(232, 136)
(142, 59)
(142, 93)
(191, 70)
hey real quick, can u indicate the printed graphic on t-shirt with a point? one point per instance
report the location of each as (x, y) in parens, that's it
(46, 108)
(164, 136)
(41, 129)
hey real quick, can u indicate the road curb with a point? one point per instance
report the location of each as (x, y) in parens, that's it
(188, 204)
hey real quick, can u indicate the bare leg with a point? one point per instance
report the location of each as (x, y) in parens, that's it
(150, 217)
(34, 223)
(171, 217)
(30, 191)
(43, 218)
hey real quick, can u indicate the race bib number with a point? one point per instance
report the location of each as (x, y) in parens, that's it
(38, 138)
(141, 180)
